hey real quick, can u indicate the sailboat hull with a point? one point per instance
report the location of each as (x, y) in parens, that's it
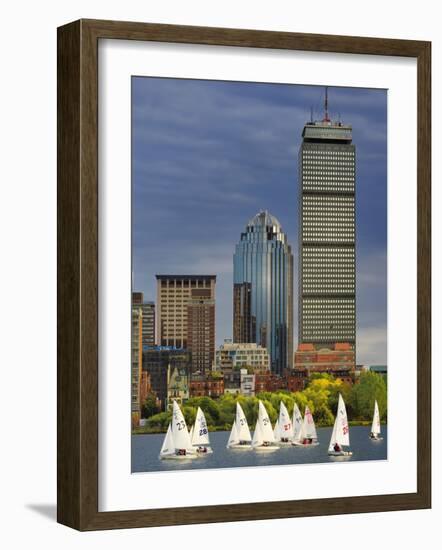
(299, 444)
(237, 447)
(376, 438)
(266, 448)
(178, 457)
(208, 451)
(340, 453)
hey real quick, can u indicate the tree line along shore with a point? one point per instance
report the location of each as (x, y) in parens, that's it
(320, 395)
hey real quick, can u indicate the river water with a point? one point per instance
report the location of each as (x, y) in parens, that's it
(146, 448)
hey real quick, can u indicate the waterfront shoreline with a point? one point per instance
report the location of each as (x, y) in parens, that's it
(147, 431)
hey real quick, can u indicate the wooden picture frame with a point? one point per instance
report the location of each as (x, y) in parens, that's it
(77, 463)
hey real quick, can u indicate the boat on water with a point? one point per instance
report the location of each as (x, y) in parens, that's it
(240, 437)
(263, 438)
(306, 436)
(283, 431)
(341, 432)
(276, 433)
(177, 444)
(200, 435)
(375, 433)
(297, 423)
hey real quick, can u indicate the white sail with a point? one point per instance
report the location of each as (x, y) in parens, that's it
(257, 435)
(308, 426)
(168, 447)
(242, 427)
(233, 439)
(376, 424)
(200, 434)
(191, 432)
(341, 430)
(265, 425)
(181, 437)
(333, 436)
(276, 431)
(297, 423)
(284, 423)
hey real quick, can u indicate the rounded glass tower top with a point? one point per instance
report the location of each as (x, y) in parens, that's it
(265, 219)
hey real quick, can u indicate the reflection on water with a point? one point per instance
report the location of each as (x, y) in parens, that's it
(146, 448)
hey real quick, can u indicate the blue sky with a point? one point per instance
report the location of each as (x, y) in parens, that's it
(208, 155)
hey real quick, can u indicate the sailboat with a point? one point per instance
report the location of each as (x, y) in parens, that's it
(200, 434)
(307, 436)
(263, 438)
(276, 431)
(283, 431)
(297, 425)
(341, 433)
(376, 424)
(240, 437)
(177, 444)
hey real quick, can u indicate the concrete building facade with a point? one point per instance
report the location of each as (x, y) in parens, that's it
(201, 329)
(173, 295)
(327, 226)
(233, 356)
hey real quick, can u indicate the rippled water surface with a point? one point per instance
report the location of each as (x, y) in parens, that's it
(146, 448)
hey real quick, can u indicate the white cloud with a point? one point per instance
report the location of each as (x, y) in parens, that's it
(372, 345)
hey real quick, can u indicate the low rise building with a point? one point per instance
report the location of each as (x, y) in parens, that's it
(339, 361)
(206, 385)
(232, 381)
(156, 362)
(247, 383)
(177, 385)
(269, 382)
(231, 356)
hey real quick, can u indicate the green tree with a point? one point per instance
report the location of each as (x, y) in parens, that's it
(371, 387)
(159, 422)
(149, 406)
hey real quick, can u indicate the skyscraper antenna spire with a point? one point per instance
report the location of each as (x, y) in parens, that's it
(326, 118)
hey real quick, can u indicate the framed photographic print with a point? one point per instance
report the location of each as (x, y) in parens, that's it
(243, 275)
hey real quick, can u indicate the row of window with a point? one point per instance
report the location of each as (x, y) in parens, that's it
(344, 225)
(326, 302)
(323, 287)
(327, 268)
(317, 206)
(332, 239)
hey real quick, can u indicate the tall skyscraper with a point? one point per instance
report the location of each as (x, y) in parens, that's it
(244, 323)
(327, 260)
(201, 329)
(148, 311)
(173, 295)
(263, 290)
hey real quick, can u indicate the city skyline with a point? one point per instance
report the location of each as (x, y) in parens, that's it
(234, 145)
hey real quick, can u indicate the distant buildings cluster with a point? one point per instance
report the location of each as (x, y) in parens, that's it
(173, 341)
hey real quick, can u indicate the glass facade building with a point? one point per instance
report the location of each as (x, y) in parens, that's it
(327, 259)
(263, 290)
